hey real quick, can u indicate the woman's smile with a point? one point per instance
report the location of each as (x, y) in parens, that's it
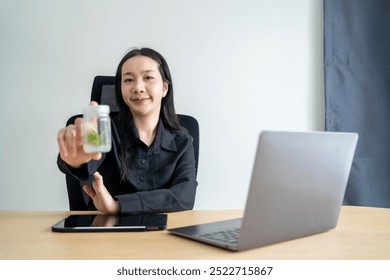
(140, 100)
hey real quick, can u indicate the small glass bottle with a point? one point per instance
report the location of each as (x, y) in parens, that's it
(97, 129)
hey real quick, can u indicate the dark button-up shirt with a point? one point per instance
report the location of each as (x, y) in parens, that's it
(160, 178)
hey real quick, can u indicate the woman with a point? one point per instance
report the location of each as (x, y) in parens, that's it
(151, 166)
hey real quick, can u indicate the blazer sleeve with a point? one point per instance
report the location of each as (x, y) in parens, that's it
(85, 173)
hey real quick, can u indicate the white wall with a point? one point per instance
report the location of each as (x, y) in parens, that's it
(238, 66)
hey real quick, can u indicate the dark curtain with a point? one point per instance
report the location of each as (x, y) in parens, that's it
(357, 91)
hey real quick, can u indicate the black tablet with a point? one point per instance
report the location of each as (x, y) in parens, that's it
(106, 223)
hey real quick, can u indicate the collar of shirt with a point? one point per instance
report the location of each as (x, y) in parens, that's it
(163, 139)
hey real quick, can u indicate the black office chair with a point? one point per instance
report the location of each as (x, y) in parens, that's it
(103, 92)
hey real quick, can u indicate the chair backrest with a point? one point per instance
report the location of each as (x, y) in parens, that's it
(103, 92)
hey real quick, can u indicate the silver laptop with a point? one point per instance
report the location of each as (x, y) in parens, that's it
(297, 188)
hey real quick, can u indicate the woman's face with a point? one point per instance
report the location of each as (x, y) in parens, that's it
(142, 86)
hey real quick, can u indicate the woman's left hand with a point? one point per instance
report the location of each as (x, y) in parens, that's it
(102, 199)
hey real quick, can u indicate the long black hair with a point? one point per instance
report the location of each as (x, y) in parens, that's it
(167, 112)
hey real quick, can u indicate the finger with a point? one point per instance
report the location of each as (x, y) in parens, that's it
(61, 143)
(96, 156)
(93, 103)
(69, 136)
(98, 182)
(79, 122)
(67, 139)
(89, 191)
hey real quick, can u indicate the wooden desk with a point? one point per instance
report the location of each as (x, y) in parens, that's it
(362, 233)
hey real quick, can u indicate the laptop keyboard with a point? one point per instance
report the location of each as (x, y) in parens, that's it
(229, 236)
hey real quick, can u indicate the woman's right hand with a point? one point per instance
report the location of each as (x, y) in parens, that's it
(70, 142)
